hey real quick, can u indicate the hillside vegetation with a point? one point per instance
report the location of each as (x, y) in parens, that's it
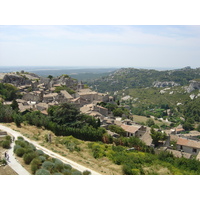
(136, 78)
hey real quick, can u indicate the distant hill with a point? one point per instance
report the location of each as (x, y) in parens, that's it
(126, 78)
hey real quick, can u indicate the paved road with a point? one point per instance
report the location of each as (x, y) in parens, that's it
(46, 151)
(14, 164)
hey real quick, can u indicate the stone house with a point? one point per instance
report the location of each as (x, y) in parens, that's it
(42, 106)
(89, 96)
(136, 131)
(188, 146)
(66, 96)
(50, 97)
(101, 110)
(36, 96)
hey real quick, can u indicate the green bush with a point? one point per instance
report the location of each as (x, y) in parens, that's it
(86, 172)
(76, 172)
(20, 138)
(42, 172)
(48, 165)
(6, 144)
(22, 143)
(58, 165)
(16, 147)
(28, 157)
(35, 165)
(39, 152)
(67, 166)
(57, 173)
(7, 137)
(20, 151)
(66, 171)
(42, 158)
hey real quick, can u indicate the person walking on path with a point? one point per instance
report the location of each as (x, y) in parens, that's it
(5, 155)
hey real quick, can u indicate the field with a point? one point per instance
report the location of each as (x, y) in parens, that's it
(143, 119)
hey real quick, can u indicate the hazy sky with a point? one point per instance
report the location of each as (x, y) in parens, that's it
(97, 45)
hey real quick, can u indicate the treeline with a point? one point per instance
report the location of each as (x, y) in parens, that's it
(65, 120)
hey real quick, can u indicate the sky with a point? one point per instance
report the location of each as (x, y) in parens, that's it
(143, 46)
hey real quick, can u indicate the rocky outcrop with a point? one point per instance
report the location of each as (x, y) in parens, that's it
(165, 84)
(194, 85)
(16, 80)
(62, 80)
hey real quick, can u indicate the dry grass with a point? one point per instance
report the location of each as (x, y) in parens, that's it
(140, 119)
(83, 157)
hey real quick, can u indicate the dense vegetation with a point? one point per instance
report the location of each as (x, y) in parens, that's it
(41, 163)
(135, 162)
(8, 92)
(137, 78)
(64, 87)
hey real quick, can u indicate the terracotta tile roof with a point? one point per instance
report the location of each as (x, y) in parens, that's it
(130, 129)
(189, 143)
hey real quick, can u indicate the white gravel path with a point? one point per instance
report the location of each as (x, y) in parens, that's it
(45, 150)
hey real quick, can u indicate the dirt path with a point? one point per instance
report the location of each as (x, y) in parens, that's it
(49, 152)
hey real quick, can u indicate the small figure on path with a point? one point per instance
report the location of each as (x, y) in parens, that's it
(5, 155)
(13, 138)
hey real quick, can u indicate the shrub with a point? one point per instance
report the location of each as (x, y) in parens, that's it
(6, 144)
(58, 165)
(42, 158)
(76, 172)
(16, 147)
(22, 143)
(86, 172)
(35, 165)
(4, 162)
(57, 173)
(66, 172)
(20, 138)
(28, 157)
(7, 137)
(39, 152)
(42, 172)
(67, 166)
(20, 151)
(48, 165)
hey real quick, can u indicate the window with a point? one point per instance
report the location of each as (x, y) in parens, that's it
(181, 147)
(194, 150)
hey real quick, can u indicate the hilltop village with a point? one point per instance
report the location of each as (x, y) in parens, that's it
(39, 93)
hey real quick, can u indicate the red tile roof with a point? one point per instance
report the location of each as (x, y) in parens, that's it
(189, 143)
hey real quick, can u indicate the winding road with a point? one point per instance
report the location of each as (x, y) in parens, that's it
(21, 171)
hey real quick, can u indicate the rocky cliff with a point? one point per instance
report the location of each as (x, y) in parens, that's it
(194, 85)
(165, 84)
(20, 79)
(16, 80)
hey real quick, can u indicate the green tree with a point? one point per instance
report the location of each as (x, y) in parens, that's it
(63, 114)
(150, 122)
(188, 126)
(14, 105)
(157, 136)
(117, 129)
(17, 119)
